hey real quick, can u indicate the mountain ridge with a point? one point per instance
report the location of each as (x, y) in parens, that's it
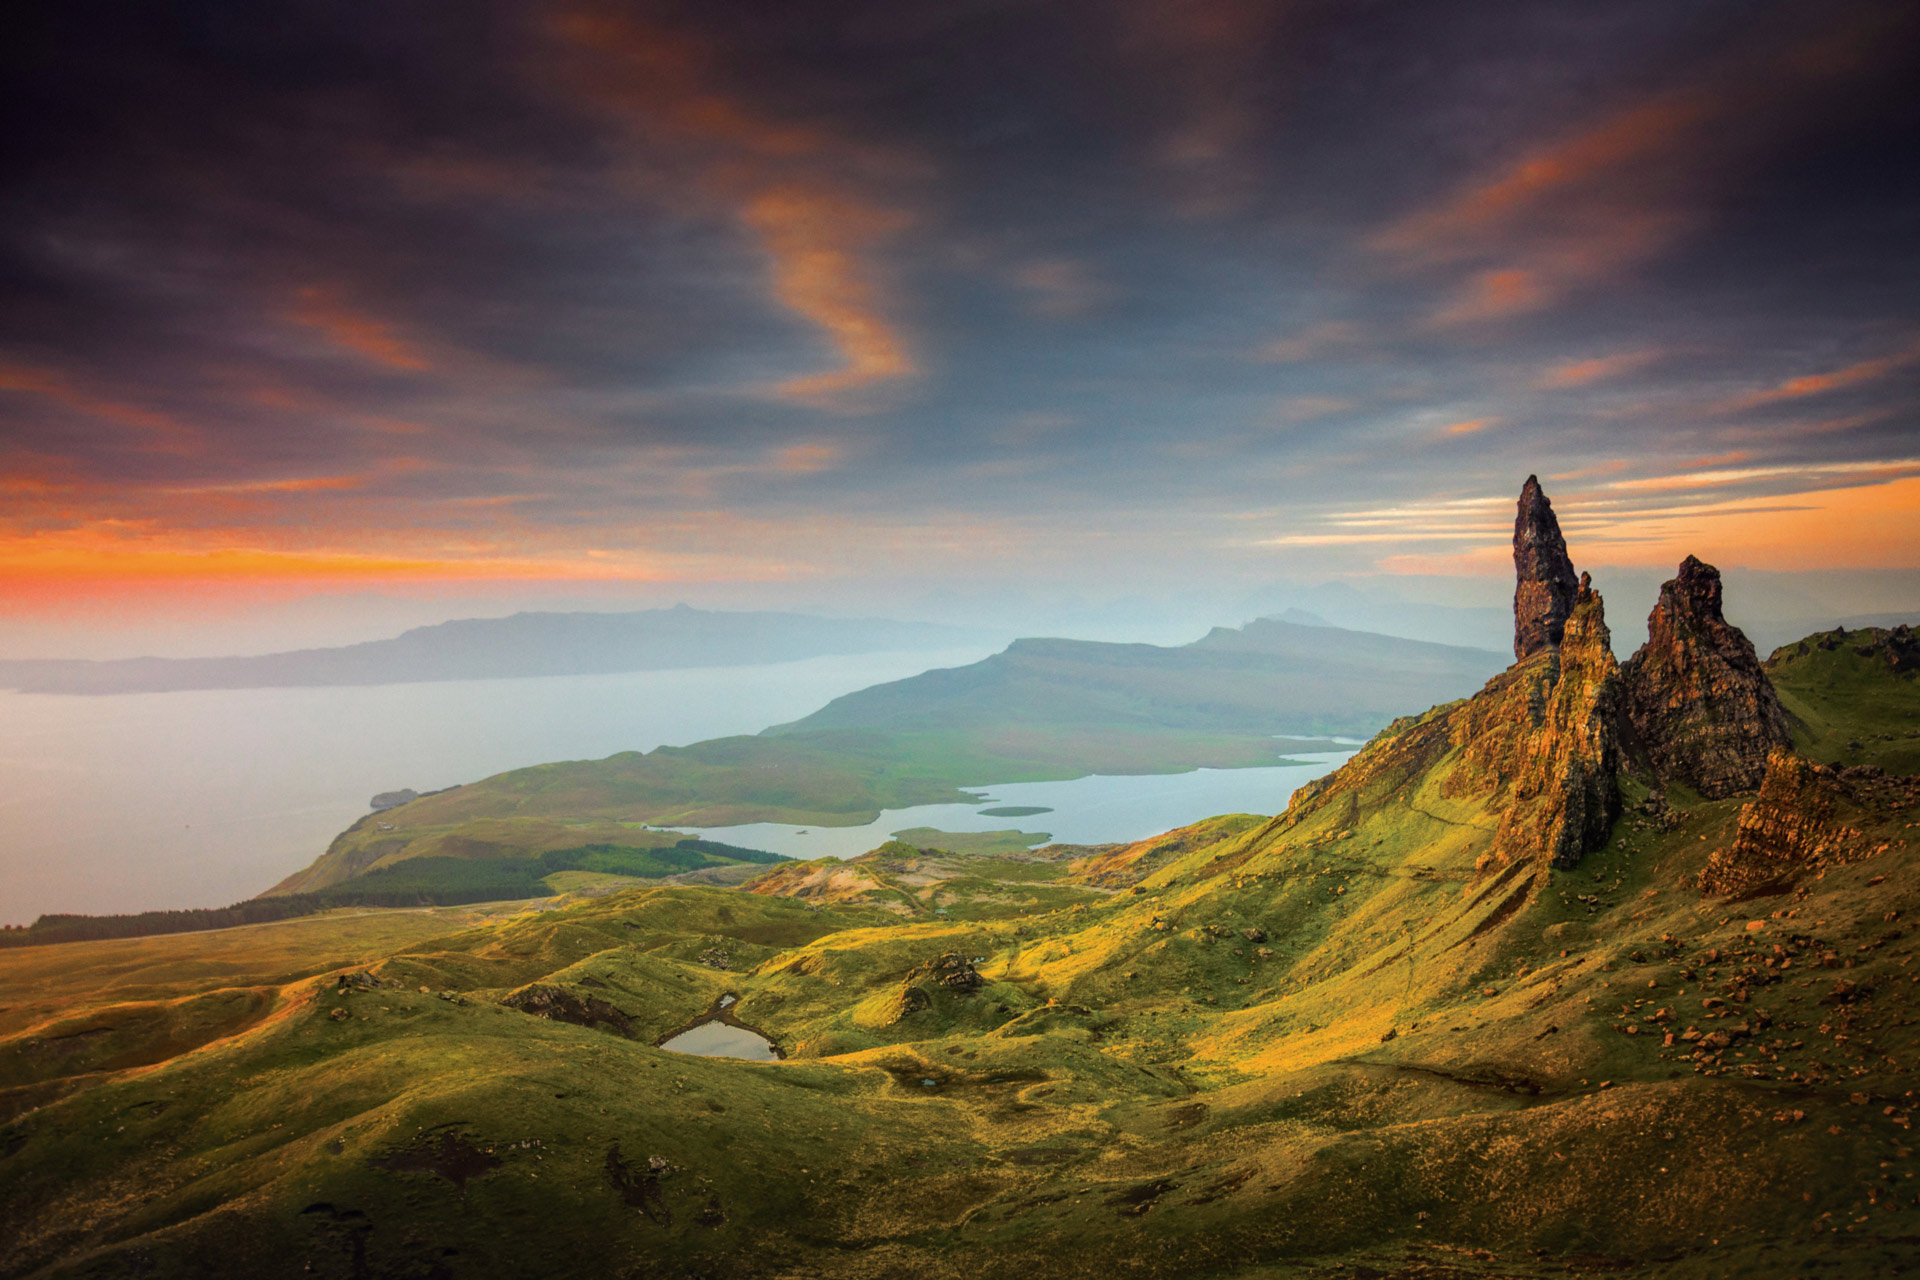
(519, 646)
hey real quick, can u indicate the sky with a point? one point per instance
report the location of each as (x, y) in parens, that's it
(430, 305)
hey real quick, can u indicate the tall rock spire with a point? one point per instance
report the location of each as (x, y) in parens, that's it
(1701, 707)
(1547, 588)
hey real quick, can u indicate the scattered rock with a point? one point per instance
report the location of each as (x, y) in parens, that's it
(715, 958)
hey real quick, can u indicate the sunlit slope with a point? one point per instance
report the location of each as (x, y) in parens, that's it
(1356, 1033)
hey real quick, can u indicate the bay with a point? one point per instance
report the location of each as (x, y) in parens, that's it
(140, 802)
(1095, 810)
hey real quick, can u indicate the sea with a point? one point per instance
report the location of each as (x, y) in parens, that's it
(140, 802)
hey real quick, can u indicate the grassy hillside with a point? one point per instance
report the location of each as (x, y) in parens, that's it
(1854, 696)
(1043, 710)
(1269, 678)
(1343, 1041)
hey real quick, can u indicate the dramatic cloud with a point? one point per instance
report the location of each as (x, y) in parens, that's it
(1107, 291)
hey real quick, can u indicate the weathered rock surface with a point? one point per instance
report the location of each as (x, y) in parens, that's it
(1545, 594)
(557, 1003)
(1701, 709)
(1807, 817)
(952, 970)
(1543, 738)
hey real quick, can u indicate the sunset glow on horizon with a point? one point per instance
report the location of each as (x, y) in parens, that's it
(636, 295)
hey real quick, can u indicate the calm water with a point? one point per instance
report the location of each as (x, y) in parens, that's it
(1098, 810)
(723, 1040)
(157, 800)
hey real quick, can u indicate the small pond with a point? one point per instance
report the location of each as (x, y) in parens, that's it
(718, 1037)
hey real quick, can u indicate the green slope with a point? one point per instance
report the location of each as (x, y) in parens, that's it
(1268, 678)
(1043, 710)
(1337, 1042)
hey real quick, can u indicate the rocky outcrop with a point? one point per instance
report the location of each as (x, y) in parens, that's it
(543, 1000)
(1545, 593)
(1700, 708)
(1807, 817)
(952, 971)
(1544, 740)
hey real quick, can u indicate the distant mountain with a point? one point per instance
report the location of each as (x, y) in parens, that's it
(1042, 709)
(525, 644)
(1270, 677)
(1768, 637)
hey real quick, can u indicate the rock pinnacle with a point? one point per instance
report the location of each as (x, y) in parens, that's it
(1546, 589)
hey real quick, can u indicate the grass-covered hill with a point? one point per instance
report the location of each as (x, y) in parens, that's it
(1387, 1033)
(1267, 678)
(1043, 710)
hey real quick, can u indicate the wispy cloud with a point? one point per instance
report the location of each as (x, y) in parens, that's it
(1814, 384)
(321, 309)
(795, 184)
(1580, 373)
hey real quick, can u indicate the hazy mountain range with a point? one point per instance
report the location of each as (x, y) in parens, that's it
(1269, 677)
(525, 644)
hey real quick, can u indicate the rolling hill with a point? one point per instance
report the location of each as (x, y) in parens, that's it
(1508, 995)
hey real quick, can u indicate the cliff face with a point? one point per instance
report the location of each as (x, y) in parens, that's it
(1544, 741)
(1700, 707)
(1546, 589)
(1807, 817)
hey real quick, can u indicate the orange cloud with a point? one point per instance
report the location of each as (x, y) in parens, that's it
(1468, 427)
(321, 310)
(1820, 383)
(790, 182)
(1493, 207)
(163, 430)
(1492, 295)
(1864, 527)
(817, 273)
(1599, 200)
(1580, 373)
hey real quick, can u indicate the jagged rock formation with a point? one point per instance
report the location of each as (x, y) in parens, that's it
(1544, 739)
(1807, 817)
(1545, 594)
(1700, 707)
